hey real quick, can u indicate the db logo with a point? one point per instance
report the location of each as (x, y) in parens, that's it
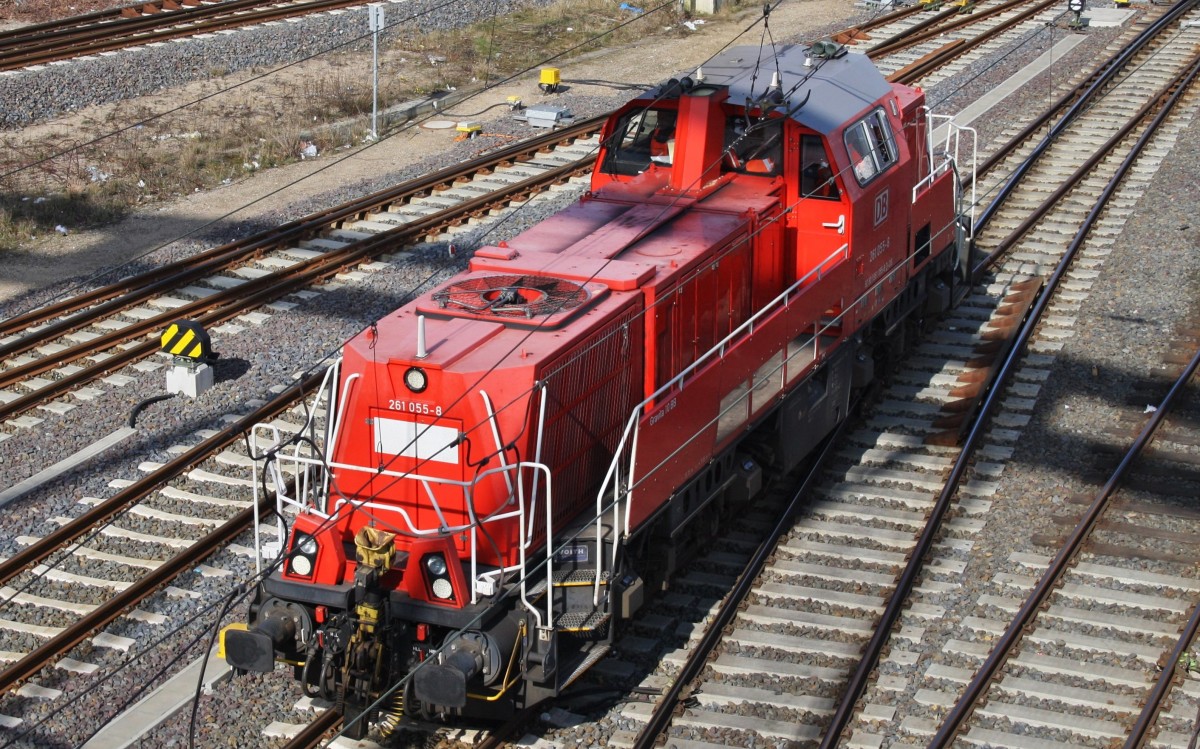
(881, 207)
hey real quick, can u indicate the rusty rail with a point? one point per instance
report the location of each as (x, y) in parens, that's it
(131, 291)
(230, 303)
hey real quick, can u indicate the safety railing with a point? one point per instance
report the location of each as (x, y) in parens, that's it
(290, 457)
(398, 519)
(947, 148)
(277, 444)
(616, 481)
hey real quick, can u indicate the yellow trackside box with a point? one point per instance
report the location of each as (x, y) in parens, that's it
(549, 79)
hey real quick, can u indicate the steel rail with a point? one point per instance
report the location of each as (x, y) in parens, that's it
(933, 528)
(156, 28)
(857, 33)
(1038, 123)
(77, 527)
(232, 302)
(1012, 635)
(929, 63)
(1035, 125)
(1162, 686)
(1158, 101)
(130, 291)
(1005, 644)
(1110, 71)
(108, 15)
(699, 653)
(117, 20)
(55, 647)
(906, 40)
(858, 682)
(314, 733)
(919, 27)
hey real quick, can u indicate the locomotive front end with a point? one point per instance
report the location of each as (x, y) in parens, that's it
(418, 499)
(405, 515)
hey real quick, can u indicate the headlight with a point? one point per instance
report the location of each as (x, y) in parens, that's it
(436, 565)
(415, 379)
(307, 545)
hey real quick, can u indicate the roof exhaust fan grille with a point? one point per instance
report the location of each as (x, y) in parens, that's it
(521, 297)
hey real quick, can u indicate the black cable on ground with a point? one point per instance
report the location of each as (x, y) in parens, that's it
(149, 401)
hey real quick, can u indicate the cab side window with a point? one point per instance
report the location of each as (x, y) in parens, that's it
(871, 146)
(753, 147)
(816, 176)
(637, 138)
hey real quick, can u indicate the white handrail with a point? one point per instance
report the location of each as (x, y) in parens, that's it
(630, 434)
(952, 160)
(540, 389)
(495, 425)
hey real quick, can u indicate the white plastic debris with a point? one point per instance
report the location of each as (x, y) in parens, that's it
(61, 229)
(308, 151)
(1150, 409)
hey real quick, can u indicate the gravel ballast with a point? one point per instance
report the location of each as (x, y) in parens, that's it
(1148, 282)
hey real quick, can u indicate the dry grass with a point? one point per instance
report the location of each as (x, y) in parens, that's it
(488, 51)
(110, 165)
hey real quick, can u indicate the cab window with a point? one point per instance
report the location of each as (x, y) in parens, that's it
(640, 137)
(754, 147)
(871, 146)
(816, 176)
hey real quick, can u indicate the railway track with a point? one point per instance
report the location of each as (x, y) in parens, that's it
(144, 23)
(44, 351)
(175, 526)
(872, 464)
(937, 52)
(800, 633)
(1125, 576)
(1037, 252)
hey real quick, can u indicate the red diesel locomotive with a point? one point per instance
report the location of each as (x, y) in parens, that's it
(507, 465)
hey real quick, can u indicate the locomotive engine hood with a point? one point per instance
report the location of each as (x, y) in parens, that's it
(443, 402)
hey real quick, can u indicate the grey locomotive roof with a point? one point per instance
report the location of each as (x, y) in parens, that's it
(840, 88)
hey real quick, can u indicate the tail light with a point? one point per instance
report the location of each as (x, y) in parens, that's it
(438, 577)
(435, 574)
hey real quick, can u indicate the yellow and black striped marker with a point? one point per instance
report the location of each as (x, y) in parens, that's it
(187, 339)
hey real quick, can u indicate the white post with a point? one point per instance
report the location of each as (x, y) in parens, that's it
(375, 16)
